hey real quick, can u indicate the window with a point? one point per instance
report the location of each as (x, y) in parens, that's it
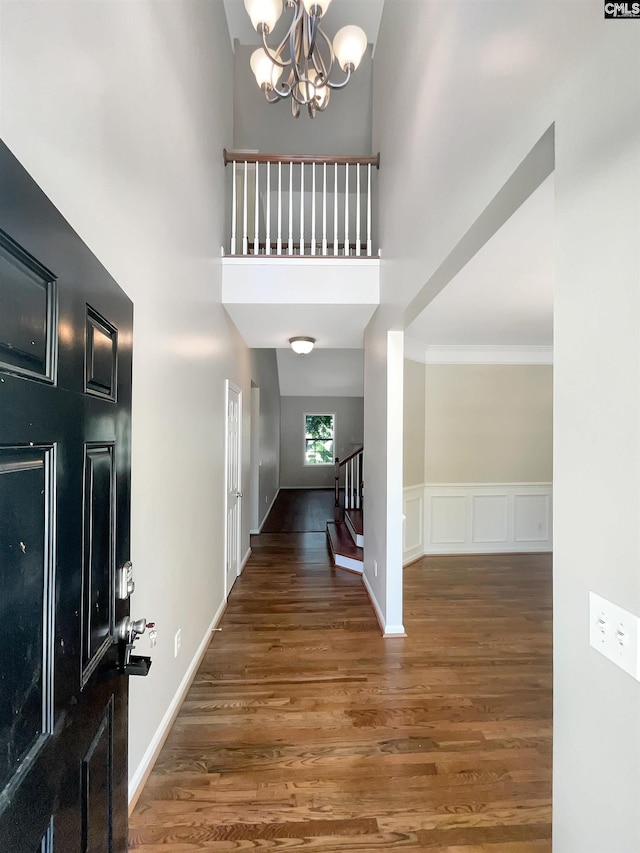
(319, 432)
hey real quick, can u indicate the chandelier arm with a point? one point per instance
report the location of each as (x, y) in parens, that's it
(302, 101)
(324, 71)
(295, 48)
(313, 27)
(274, 55)
(284, 92)
(349, 72)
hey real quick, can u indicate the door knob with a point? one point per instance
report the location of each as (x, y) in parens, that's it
(238, 494)
(128, 631)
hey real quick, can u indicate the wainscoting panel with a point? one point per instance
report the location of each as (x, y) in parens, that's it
(472, 518)
(532, 518)
(489, 518)
(413, 510)
(448, 519)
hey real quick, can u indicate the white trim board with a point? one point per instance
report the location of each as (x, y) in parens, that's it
(144, 768)
(388, 631)
(265, 516)
(440, 354)
(477, 518)
(244, 562)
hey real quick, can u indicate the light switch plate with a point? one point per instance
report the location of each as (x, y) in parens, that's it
(614, 632)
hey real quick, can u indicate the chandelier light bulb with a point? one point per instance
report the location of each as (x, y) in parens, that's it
(264, 12)
(302, 346)
(266, 73)
(320, 6)
(349, 46)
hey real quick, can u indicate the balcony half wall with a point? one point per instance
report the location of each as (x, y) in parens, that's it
(273, 298)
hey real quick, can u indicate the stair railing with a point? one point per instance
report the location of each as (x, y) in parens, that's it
(353, 480)
(292, 204)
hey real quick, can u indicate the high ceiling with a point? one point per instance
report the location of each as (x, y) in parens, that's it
(503, 296)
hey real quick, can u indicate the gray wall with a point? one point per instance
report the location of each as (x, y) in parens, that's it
(345, 128)
(264, 376)
(349, 412)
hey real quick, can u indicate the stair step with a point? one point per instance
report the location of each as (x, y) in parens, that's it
(345, 553)
(355, 520)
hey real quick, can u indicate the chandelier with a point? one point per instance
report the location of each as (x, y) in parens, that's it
(300, 67)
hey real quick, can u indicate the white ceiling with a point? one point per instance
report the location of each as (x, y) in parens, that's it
(504, 295)
(270, 326)
(364, 13)
(322, 373)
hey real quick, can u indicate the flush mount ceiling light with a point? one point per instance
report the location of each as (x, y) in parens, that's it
(302, 346)
(305, 55)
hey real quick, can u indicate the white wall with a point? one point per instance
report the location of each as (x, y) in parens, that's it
(488, 79)
(294, 473)
(597, 445)
(113, 109)
(264, 376)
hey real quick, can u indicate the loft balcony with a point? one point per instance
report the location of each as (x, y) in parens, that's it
(301, 253)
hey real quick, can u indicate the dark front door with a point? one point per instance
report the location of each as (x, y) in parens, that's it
(65, 404)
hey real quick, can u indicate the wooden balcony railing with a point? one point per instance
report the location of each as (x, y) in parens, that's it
(290, 204)
(353, 480)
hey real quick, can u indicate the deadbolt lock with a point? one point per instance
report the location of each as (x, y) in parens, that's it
(125, 583)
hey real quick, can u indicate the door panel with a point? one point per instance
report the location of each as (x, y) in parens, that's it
(27, 321)
(65, 403)
(98, 569)
(97, 831)
(26, 576)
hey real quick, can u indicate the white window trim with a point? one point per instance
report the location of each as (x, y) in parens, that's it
(304, 441)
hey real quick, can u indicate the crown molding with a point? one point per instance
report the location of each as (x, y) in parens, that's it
(478, 354)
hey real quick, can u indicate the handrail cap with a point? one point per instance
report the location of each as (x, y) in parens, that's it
(305, 159)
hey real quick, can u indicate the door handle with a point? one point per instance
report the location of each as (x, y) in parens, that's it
(128, 632)
(238, 494)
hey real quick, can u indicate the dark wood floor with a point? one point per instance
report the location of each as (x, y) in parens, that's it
(306, 731)
(301, 511)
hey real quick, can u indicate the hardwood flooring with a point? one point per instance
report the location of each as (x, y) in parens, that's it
(301, 510)
(304, 730)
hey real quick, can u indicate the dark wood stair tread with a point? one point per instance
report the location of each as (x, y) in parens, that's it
(341, 541)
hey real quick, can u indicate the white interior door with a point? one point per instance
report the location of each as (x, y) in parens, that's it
(233, 484)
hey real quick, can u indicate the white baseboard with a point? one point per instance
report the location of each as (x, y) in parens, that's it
(244, 562)
(477, 518)
(266, 515)
(144, 768)
(388, 631)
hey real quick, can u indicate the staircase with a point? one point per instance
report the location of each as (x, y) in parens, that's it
(346, 538)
